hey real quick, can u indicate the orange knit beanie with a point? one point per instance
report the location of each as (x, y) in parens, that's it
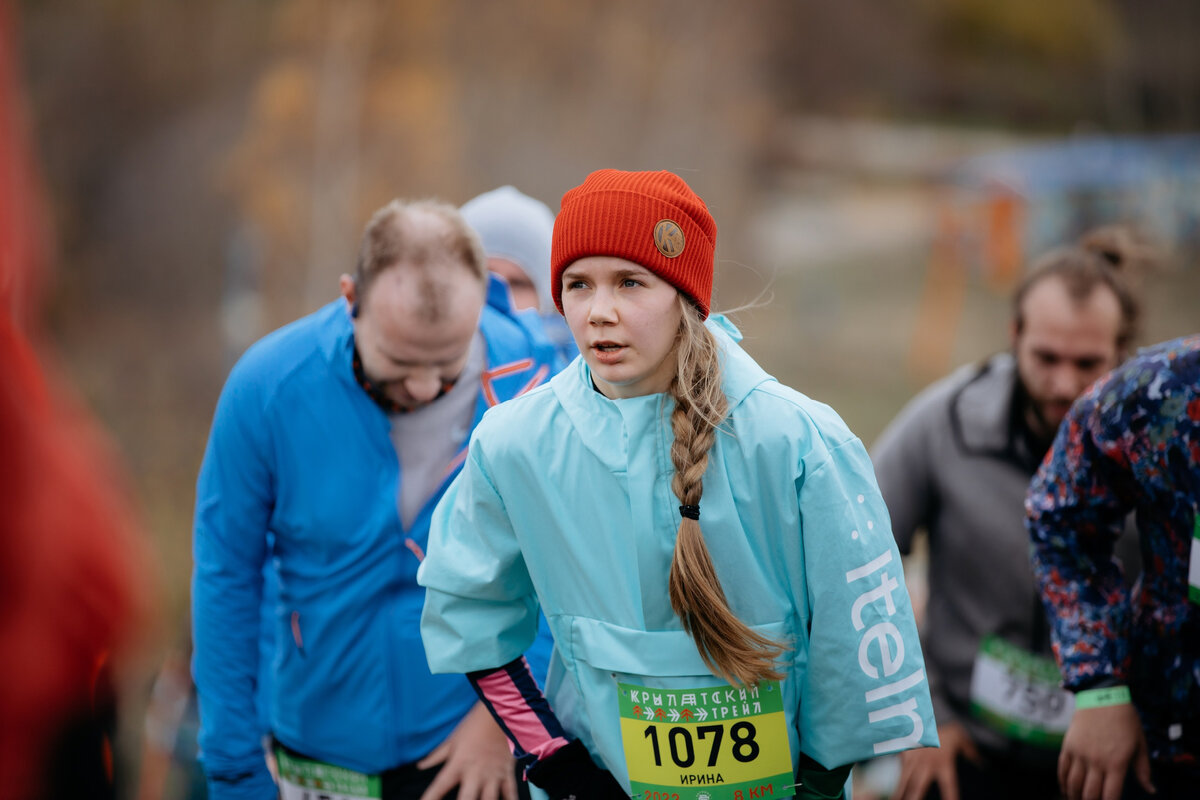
(652, 218)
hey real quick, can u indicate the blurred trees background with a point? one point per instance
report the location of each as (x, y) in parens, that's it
(211, 165)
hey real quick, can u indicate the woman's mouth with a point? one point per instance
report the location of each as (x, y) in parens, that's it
(607, 352)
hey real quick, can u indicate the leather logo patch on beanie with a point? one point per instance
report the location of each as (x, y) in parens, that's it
(650, 218)
(668, 238)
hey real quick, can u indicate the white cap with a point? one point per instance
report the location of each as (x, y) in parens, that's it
(517, 227)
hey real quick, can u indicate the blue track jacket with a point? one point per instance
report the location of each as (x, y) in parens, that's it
(300, 453)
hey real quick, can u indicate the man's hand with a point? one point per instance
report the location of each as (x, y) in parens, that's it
(928, 765)
(1097, 750)
(476, 758)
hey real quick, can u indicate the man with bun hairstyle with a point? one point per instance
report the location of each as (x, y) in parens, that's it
(332, 441)
(956, 462)
(708, 546)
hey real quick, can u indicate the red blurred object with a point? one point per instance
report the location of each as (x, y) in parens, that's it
(69, 553)
(22, 235)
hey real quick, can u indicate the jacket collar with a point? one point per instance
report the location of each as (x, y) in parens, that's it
(605, 425)
(986, 413)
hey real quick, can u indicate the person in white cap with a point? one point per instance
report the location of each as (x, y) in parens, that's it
(516, 230)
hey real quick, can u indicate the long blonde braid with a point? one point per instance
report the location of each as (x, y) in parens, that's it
(727, 645)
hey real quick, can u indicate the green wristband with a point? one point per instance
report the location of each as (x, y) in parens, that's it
(1098, 698)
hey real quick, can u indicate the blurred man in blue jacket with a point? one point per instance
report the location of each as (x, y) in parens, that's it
(333, 439)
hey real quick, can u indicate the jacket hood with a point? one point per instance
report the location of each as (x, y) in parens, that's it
(983, 416)
(742, 374)
(984, 400)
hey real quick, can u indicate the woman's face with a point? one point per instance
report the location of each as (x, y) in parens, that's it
(625, 320)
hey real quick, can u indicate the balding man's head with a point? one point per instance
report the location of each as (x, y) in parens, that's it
(420, 288)
(427, 236)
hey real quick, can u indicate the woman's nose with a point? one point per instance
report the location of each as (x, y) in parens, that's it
(603, 308)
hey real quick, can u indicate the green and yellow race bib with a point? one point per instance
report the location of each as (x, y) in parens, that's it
(306, 779)
(712, 743)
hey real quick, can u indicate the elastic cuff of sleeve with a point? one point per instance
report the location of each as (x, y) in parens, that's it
(1107, 696)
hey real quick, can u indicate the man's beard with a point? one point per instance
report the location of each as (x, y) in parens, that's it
(1039, 430)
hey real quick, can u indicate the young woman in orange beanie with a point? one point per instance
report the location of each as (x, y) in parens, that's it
(758, 653)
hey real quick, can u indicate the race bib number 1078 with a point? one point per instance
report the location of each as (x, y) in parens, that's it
(714, 743)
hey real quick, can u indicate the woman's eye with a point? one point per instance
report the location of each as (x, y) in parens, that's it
(575, 285)
(631, 282)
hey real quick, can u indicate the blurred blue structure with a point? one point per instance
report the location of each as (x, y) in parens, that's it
(1048, 194)
(1000, 210)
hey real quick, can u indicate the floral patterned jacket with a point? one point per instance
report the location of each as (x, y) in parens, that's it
(1130, 443)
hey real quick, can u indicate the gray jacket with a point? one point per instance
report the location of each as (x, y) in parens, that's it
(956, 463)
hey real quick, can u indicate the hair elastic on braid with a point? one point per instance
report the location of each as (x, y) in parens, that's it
(691, 512)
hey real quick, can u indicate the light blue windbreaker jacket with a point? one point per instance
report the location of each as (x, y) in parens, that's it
(565, 501)
(298, 451)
